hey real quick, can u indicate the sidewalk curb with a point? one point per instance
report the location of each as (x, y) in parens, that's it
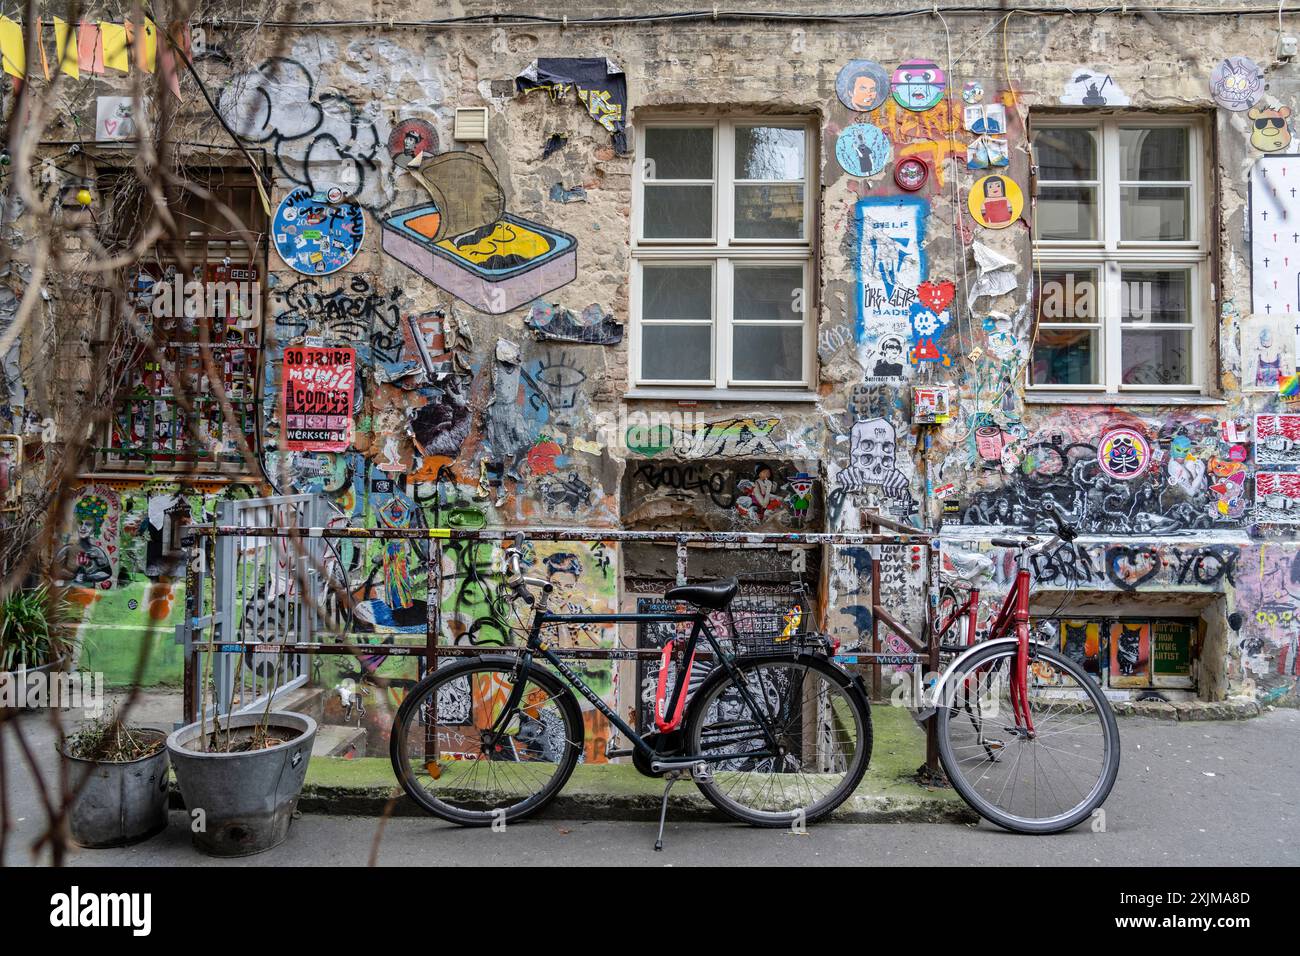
(1189, 710)
(374, 802)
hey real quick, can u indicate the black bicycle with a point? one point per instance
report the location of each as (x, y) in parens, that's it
(774, 735)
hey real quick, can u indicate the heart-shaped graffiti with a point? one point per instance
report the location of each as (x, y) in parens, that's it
(936, 295)
(1131, 567)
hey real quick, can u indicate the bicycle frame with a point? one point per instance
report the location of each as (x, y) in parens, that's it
(699, 625)
(1013, 615)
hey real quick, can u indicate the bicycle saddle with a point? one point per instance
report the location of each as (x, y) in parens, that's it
(714, 595)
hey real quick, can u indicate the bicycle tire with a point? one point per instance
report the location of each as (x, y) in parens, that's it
(1019, 823)
(715, 790)
(400, 750)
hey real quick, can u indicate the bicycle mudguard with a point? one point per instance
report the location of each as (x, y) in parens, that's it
(955, 664)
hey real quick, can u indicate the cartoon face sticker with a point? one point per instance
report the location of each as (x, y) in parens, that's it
(911, 173)
(918, 85)
(1237, 83)
(995, 202)
(862, 85)
(1269, 132)
(1124, 454)
(972, 91)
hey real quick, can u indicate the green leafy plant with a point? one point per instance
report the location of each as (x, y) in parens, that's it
(31, 628)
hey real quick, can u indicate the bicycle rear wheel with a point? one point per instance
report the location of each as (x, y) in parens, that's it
(1041, 783)
(453, 763)
(820, 719)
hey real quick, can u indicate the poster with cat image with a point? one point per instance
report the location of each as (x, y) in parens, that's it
(1130, 654)
(1081, 643)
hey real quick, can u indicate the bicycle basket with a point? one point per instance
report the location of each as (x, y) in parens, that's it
(765, 624)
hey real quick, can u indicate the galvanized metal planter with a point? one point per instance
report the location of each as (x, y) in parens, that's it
(247, 799)
(119, 803)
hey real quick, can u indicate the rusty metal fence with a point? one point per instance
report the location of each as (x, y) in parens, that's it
(265, 581)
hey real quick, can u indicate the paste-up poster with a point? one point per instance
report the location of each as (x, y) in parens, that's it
(316, 409)
(1130, 654)
(598, 82)
(1277, 497)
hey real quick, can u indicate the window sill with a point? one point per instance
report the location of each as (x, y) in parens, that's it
(1119, 398)
(671, 393)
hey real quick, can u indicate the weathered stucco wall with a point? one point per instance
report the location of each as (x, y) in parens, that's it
(513, 427)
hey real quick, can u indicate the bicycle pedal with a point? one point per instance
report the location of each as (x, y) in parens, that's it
(700, 772)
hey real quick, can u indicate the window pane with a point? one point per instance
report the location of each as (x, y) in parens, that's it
(1067, 212)
(1066, 153)
(677, 293)
(677, 352)
(768, 152)
(1065, 357)
(1155, 295)
(1153, 155)
(768, 293)
(678, 152)
(677, 212)
(1070, 296)
(1154, 213)
(769, 212)
(1158, 357)
(767, 353)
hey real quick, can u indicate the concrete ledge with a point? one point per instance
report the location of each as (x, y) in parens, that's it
(1188, 709)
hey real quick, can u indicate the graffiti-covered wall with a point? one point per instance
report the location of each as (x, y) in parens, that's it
(446, 337)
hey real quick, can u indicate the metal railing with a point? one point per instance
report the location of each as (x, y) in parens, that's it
(308, 573)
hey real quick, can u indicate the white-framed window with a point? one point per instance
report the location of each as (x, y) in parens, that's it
(722, 226)
(1121, 254)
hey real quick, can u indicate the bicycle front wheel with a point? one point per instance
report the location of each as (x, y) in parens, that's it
(463, 753)
(785, 740)
(1040, 782)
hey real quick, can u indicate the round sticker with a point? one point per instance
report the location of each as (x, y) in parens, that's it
(315, 236)
(1124, 454)
(412, 138)
(1237, 83)
(863, 149)
(995, 202)
(862, 85)
(918, 85)
(911, 173)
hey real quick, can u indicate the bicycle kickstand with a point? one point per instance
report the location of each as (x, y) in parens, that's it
(699, 772)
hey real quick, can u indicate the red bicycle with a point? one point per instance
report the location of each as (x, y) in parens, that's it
(1025, 733)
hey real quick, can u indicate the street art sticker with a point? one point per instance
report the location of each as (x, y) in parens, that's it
(598, 82)
(885, 362)
(862, 85)
(315, 234)
(1277, 497)
(113, 119)
(863, 150)
(929, 316)
(411, 142)
(1237, 83)
(1088, 87)
(91, 561)
(1275, 235)
(1269, 132)
(11, 472)
(317, 403)
(995, 202)
(1277, 439)
(917, 85)
(1124, 453)
(1268, 353)
(891, 263)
